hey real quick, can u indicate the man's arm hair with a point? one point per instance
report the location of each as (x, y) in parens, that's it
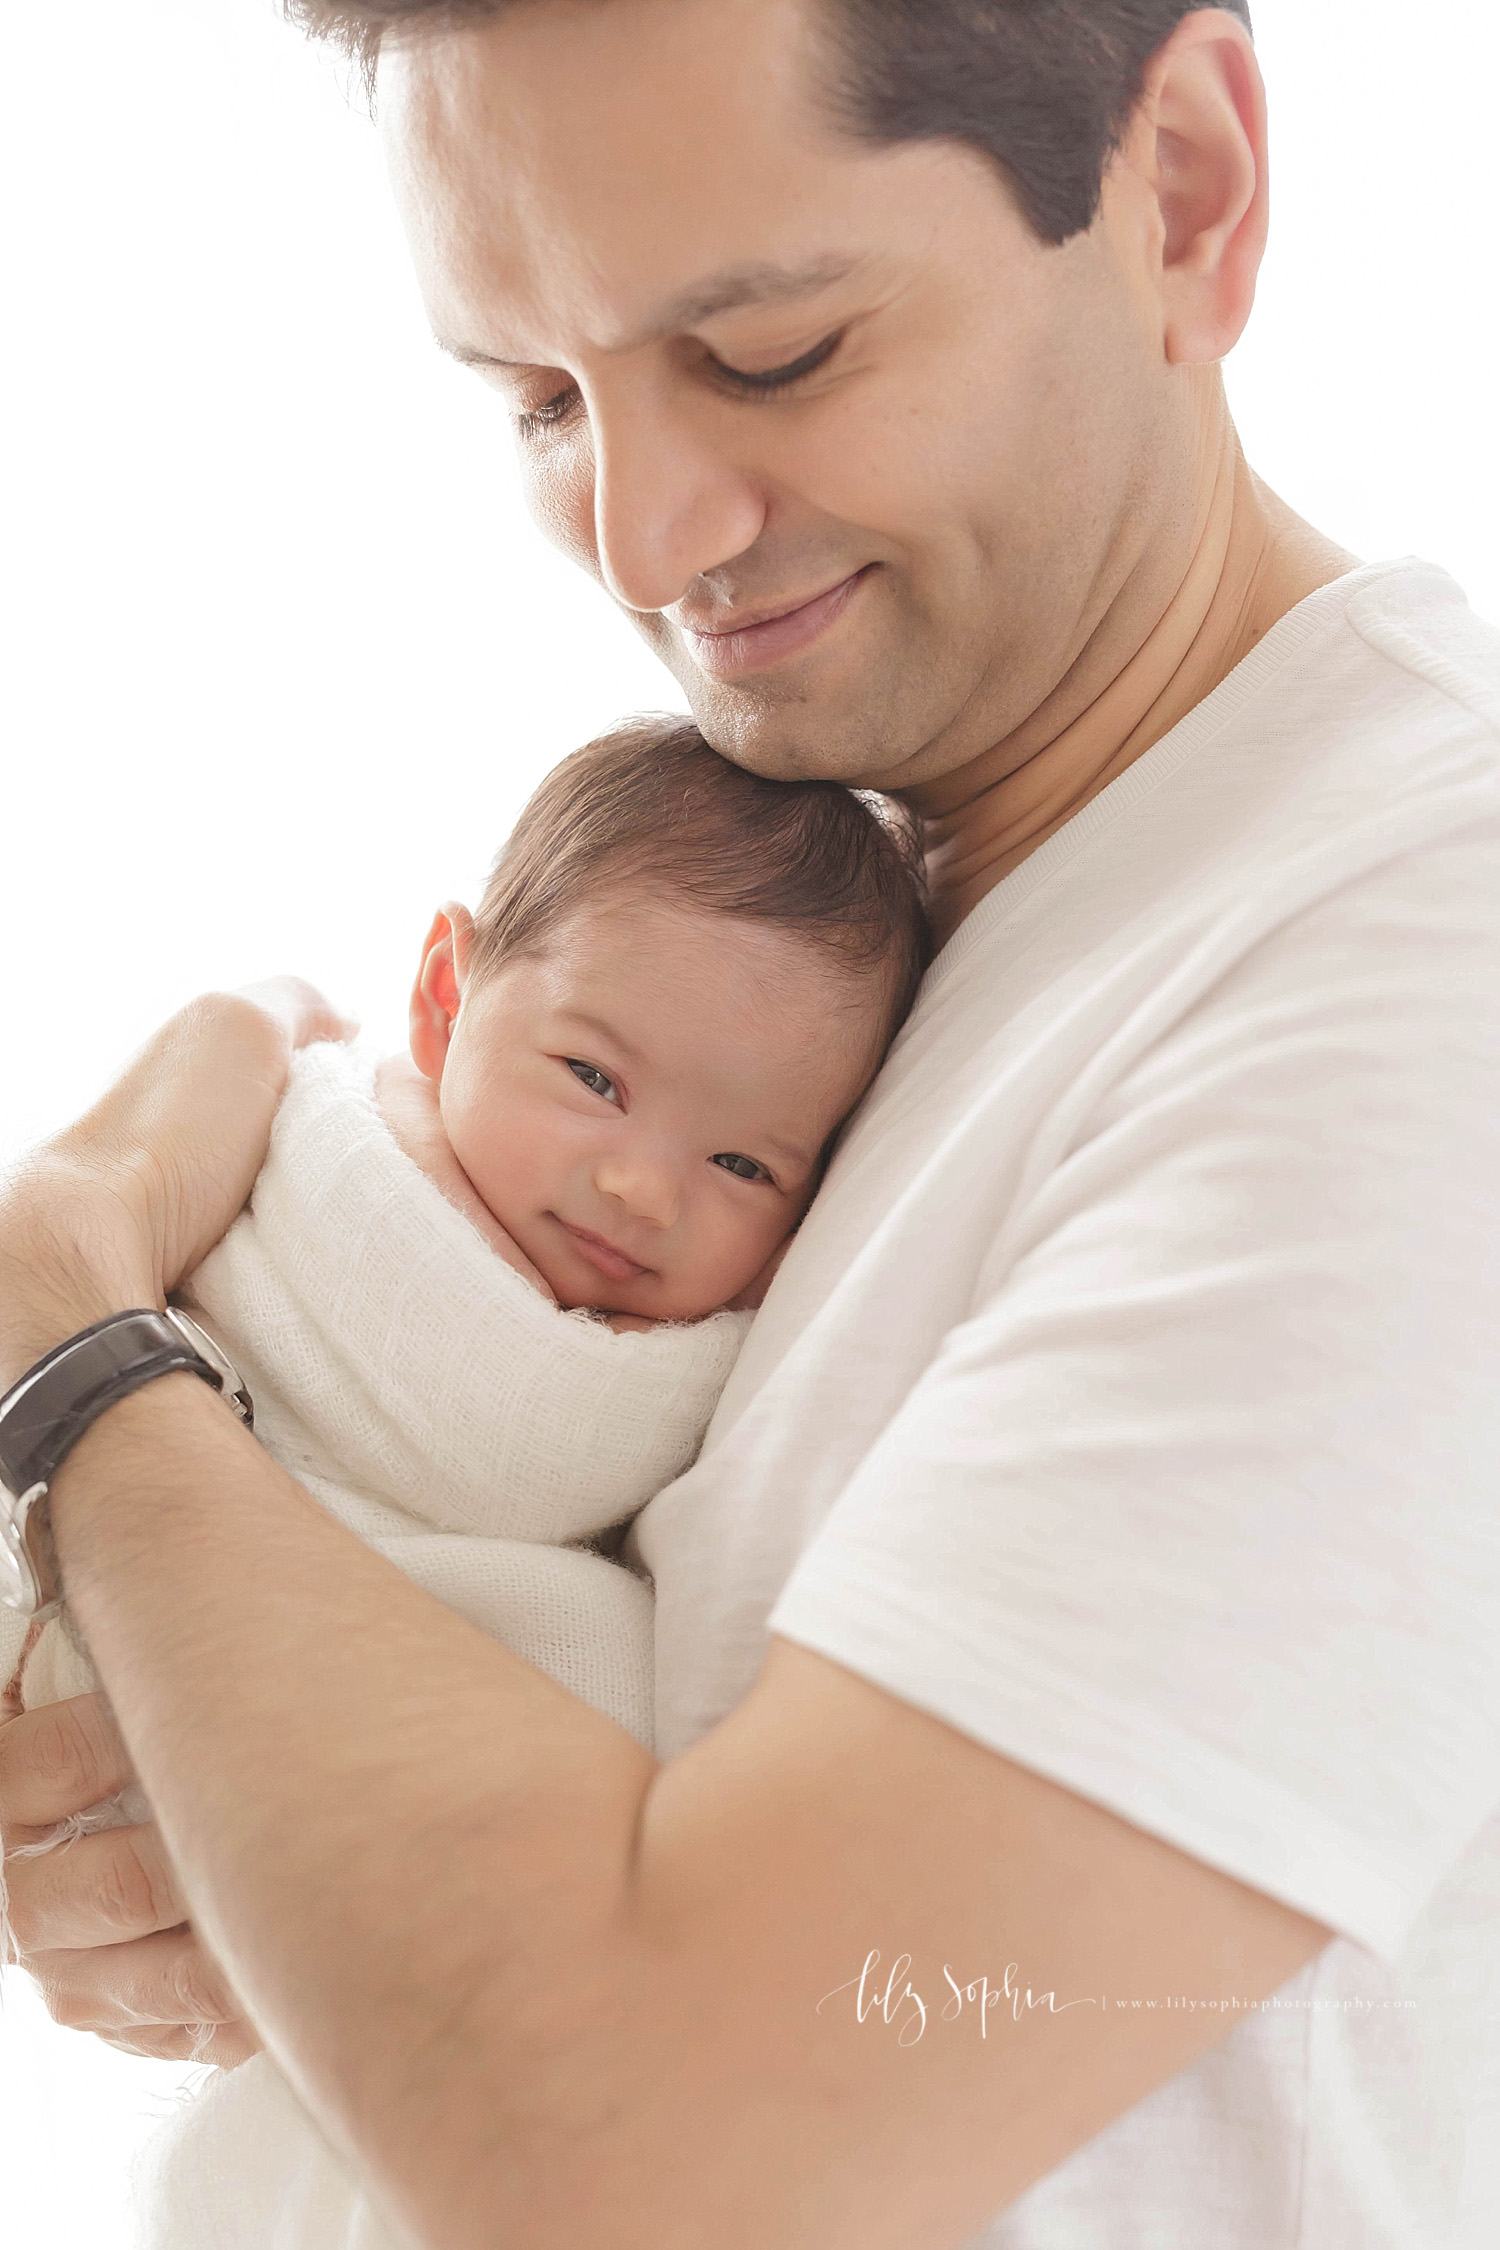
(545, 1989)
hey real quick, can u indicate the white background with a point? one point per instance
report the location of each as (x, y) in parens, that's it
(285, 655)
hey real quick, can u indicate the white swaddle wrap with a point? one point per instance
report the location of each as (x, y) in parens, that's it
(444, 1411)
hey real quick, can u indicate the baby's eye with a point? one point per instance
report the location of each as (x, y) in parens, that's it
(595, 1080)
(743, 1167)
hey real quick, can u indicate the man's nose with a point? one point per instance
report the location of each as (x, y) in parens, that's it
(669, 502)
(644, 1180)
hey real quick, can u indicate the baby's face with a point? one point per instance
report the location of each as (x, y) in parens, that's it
(643, 1105)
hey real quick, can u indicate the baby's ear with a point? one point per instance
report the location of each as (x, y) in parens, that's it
(438, 992)
(461, 925)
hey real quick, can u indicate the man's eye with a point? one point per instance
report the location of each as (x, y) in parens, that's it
(773, 379)
(531, 421)
(595, 1080)
(743, 1167)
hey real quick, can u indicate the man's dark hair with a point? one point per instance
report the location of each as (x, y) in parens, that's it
(1045, 87)
(650, 807)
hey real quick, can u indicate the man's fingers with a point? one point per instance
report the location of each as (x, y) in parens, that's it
(93, 1891)
(161, 1983)
(305, 1013)
(226, 2046)
(58, 1761)
(99, 1920)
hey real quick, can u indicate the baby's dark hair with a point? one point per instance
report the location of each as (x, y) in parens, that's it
(650, 802)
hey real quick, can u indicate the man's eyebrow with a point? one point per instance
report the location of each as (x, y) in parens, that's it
(468, 356)
(762, 283)
(759, 284)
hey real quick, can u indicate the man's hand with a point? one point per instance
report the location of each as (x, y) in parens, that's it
(98, 1922)
(114, 1211)
(107, 1215)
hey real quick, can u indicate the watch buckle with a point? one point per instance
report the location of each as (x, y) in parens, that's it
(231, 1382)
(20, 1586)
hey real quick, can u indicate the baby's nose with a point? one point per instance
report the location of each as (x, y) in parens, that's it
(644, 1181)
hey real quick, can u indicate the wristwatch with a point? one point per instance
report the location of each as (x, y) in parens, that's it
(47, 1412)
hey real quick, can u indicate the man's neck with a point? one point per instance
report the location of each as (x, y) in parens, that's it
(1249, 560)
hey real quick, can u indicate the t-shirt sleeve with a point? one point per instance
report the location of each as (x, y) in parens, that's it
(1196, 1513)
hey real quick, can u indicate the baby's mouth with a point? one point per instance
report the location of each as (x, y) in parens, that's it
(612, 1263)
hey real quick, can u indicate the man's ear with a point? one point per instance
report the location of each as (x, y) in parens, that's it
(1199, 144)
(437, 995)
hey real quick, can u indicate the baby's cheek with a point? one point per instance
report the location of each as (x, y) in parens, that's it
(492, 1152)
(758, 1235)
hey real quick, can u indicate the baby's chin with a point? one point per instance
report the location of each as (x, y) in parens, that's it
(648, 1306)
(653, 1298)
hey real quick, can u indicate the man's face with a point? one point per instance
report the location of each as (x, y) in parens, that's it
(864, 461)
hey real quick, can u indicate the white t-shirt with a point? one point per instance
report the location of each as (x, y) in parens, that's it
(1131, 1400)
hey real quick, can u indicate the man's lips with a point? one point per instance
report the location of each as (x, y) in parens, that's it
(764, 640)
(612, 1263)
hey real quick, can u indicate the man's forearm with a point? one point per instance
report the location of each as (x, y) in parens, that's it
(548, 1991)
(407, 1846)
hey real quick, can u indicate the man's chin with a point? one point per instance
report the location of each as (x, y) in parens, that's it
(826, 737)
(816, 720)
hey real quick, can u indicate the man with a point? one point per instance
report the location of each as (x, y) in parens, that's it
(1079, 1632)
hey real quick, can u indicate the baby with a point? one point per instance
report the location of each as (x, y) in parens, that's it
(485, 1300)
(732, 955)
